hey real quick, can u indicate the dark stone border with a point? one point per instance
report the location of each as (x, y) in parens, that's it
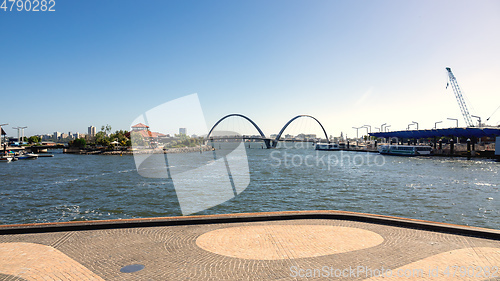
(252, 217)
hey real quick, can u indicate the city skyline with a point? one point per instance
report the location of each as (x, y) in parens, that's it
(347, 64)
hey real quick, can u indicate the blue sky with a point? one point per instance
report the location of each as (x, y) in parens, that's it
(348, 63)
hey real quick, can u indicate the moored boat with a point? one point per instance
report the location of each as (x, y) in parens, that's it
(405, 150)
(27, 156)
(327, 146)
(5, 159)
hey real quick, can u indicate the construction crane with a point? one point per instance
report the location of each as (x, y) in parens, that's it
(460, 98)
(492, 114)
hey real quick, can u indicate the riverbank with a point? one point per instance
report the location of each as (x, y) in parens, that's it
(103, 151)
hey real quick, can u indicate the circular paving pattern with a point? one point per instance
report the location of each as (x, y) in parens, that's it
(275, 242)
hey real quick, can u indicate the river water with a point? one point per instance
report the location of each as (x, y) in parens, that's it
(70, 187)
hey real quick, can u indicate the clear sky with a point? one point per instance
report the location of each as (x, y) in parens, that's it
(348, 63)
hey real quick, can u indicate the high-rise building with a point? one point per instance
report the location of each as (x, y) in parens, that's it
(92, 131)
(182, 131)
(57, 135)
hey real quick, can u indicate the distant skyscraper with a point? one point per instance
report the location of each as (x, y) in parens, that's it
(91, 131)
(182, 131)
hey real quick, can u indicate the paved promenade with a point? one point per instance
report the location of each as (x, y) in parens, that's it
(308, 245)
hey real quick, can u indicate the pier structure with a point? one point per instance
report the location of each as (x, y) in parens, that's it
(447, 141)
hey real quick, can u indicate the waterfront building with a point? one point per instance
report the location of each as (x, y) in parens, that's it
(152, 137)
(140, 127)
(182, 131)
(91, 131)
(56, 135)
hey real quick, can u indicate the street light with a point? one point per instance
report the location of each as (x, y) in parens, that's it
(357, 137)
(20, 133)
(435, 124)
(382, 127)
(415, 123)
(368, 133)
(1, 143)
(357, 128)
(378, 129)
(387, 127)
(453, 119)
(479, 119)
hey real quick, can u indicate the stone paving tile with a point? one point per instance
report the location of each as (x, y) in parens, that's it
(33, 261)
(172, 252)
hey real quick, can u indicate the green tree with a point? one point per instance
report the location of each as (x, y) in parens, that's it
(81, 143)
(136, 139)
(106, 129)
(34, 139)
(186, 141)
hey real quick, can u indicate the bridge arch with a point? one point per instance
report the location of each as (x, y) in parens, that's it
(238, 115)
(275, 142)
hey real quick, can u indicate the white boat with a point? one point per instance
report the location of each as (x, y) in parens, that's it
(27, 156)
(405, 150)
(327, 146)
(5, 159)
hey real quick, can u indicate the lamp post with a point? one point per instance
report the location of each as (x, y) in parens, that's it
(435, 124)
(415, 123)
(367, 132)
(18, 133)
(386, 130)
(453, 119)
(22, 133)
(382, 127)
(479, 119)
(357, 128)
(1, 143)
(357, 137)
(457, 123)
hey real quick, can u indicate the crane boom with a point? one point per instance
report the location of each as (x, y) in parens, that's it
(460, 99)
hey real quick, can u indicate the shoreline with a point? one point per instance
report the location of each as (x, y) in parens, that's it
(176, 150)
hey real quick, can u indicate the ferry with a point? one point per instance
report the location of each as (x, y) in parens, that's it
(406, 150)
(327, 146)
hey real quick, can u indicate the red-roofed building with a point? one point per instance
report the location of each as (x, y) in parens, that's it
(140, 127)
(146, 134)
